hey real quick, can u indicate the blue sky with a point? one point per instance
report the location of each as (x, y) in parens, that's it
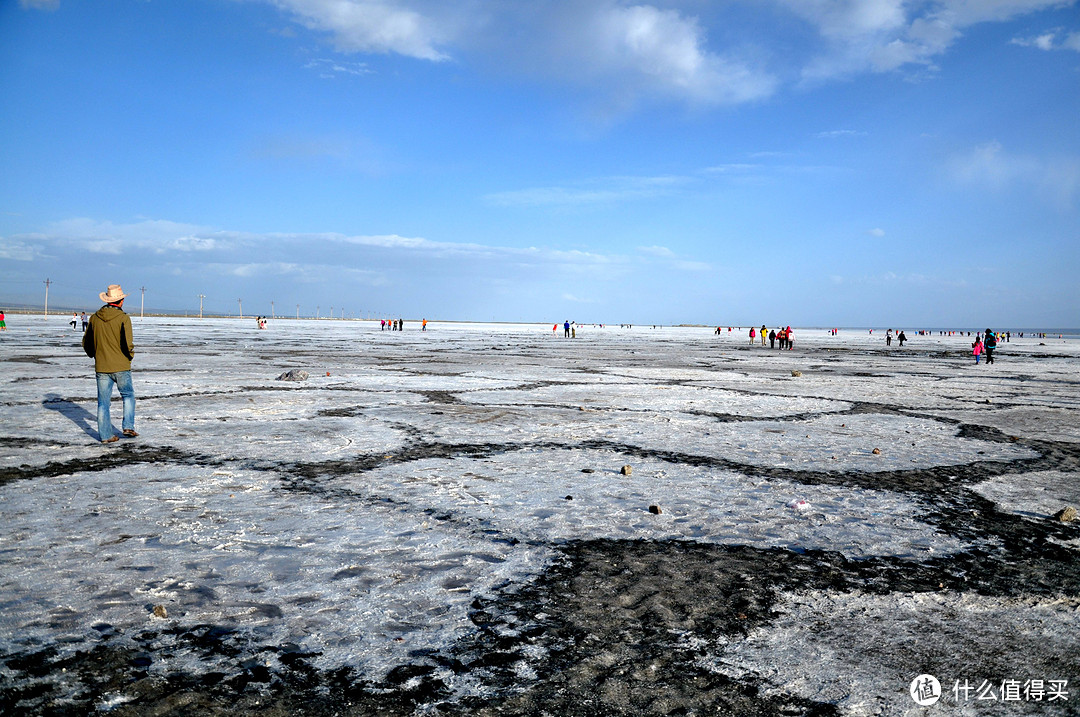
(809, 162)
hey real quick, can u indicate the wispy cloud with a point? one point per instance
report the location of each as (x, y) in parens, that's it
(840, 133)
(40, 4)
(669, 258)
(15, 250)
(876, 232)
(991, 166)
(334, 68)
(600, 191)
(887, 35)
(661, 251)
(1057, 39)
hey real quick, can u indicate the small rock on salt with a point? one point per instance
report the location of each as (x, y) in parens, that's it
(626, 470)
(1066, 515)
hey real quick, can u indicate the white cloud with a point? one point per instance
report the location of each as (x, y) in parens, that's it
(886, 35)
(106, 237)
(623, 53)
(1049, 41)
(876, 232)
(372, 26)
(40, 4)
(18, 250)
(667, 52)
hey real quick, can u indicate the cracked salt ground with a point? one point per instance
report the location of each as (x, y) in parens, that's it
(842, 648)
(817, 443)
(700, 504)
(396, 538)
(343, 576)
(634, 396)
(1035, 496)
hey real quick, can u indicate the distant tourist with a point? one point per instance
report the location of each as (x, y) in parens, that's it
(3, 323)
(109, 342)
(753, 335)
(423, 325)
(74, 321)
(977, 349)
(566, 329)
(901, 338)
(989, 344)
(788, 338)
(763, 333)
(85, 321)
(772, 339)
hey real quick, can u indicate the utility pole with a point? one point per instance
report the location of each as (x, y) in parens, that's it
(201, 297)
(241, 303)
(47, 282)
(142, 303)
(331, 312)
(298, 311)
(272, 316)
(316, 311)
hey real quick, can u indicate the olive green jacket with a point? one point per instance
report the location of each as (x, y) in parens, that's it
(108, 340)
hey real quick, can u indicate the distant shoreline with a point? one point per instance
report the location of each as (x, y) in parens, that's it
(63, 314)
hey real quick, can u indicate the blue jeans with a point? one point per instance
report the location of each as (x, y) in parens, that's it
(105, 381)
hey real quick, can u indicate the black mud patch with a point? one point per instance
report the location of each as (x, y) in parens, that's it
(113, 456)
(610, 628)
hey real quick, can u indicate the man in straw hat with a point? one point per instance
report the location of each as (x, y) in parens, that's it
(108, 341)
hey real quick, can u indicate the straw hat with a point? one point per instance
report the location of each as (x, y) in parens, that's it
(113, 294)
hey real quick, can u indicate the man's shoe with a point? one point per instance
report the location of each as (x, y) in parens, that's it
(114, 439)
(130, 432)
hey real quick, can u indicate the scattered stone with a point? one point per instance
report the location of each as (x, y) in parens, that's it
(988, 400)
(876, 451)
(587, 470)
(796, 374)
(160, 611)
(626, 470)
(1066, 514)
(655, 510)
(294, 375)
(569, 497)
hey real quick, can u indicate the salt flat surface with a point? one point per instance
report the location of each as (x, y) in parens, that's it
(358, 515)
